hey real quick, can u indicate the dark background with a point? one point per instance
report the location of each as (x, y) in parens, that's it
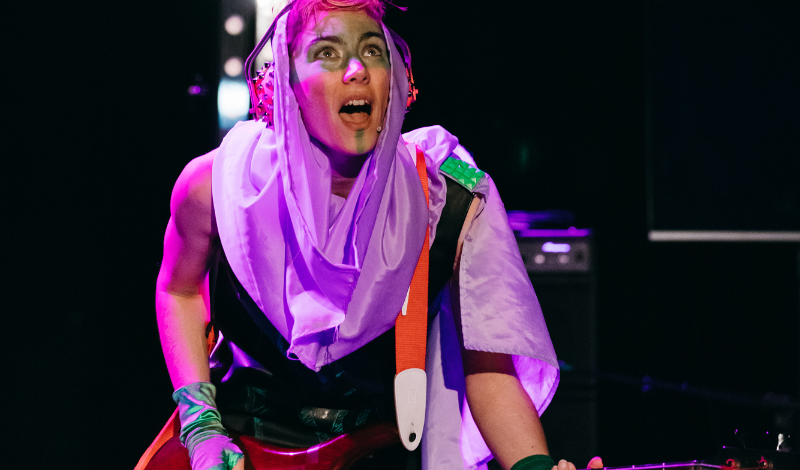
(550, 98)
(722, 106)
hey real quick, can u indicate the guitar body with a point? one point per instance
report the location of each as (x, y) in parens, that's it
(340, 453)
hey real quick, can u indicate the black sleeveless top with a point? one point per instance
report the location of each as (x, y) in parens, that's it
(262, 393)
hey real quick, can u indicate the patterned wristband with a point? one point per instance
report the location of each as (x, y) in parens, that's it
(198, 413)
(534, 462)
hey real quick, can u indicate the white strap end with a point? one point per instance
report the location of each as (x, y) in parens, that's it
(410, 389)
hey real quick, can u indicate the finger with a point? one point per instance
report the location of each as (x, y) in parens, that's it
(564, 465)
(596, 462)
(239, 465)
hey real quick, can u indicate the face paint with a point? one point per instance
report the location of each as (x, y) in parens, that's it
(360, 147)
(340, 75)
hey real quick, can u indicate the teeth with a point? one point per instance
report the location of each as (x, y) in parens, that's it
(357, 103)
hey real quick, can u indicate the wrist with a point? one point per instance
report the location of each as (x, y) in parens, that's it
(197, 409)
(534, 462)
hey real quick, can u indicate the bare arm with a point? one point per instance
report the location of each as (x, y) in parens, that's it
(503, 411)
(189, 245)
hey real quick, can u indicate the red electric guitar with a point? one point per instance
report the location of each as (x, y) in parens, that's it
(345, 452)
(340, 453)
(337, 454)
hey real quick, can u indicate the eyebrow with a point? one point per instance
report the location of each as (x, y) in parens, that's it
(370, 34)
(334, 39)
(337, 40)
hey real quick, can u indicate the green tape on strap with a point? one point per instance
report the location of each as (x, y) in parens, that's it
(462, 172)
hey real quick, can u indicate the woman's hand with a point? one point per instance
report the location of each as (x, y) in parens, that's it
(217, 453)
(564, 465)
(208, 443)
(596, 462)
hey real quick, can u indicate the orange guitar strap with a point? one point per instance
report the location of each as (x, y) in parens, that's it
(411, 335)
(411, 327)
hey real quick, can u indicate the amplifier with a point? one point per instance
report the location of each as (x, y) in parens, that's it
(560, 264)
(556, 251)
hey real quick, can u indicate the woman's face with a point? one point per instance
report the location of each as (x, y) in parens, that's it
(340, 76)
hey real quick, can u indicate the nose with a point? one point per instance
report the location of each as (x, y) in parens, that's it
(355, 73)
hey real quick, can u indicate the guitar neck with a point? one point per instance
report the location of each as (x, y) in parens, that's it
(695, 465)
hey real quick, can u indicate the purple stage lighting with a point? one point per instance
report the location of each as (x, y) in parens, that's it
(571, 232)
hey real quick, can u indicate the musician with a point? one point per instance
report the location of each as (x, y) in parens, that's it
(312, 226)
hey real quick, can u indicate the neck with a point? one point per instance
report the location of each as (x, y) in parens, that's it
(344, 169)
(341, 185)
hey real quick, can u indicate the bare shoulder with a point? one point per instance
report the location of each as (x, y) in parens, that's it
(190, 238)
(191, 204)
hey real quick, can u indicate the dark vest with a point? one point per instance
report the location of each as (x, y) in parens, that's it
(285, 403)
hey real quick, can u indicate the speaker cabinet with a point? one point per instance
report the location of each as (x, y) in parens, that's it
(560, 266)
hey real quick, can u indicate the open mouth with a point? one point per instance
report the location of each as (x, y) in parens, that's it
(355, 111)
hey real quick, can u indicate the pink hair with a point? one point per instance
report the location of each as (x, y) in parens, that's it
(305, 10)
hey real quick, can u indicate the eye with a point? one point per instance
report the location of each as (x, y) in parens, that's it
(326, 53)
(373, 51)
